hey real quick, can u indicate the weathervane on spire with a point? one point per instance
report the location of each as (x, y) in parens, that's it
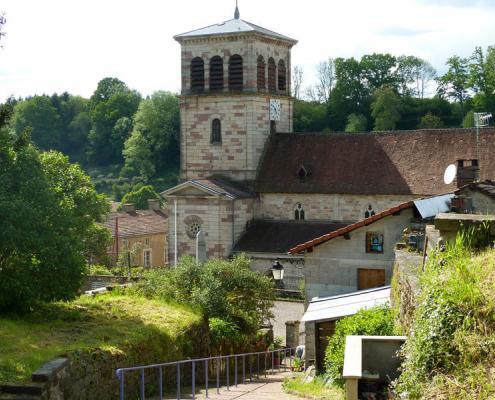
(237, 14)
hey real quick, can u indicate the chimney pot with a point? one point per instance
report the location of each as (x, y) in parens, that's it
(468, 171)
(154, 204)
(129, 207)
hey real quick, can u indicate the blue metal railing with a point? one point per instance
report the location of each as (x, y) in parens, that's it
(217, 361)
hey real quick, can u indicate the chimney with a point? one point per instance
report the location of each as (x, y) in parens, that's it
(129, 207)
(154, 204)
(468, 171)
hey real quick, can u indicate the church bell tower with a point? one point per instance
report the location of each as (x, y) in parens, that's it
(236, 90)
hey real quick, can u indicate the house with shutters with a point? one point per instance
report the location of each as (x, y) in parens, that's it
(253, 186)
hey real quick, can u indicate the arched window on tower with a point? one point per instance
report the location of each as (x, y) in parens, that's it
(216, 73)
(197, 75)
(281, 76)
(299, 212)
(272, 84)
(216, 131)
(236, 73)
(261, 73)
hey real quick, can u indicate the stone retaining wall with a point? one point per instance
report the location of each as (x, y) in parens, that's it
(90, 374)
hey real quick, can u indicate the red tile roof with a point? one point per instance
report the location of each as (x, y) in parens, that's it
(137, 223)
(349, 228)
(396, 163)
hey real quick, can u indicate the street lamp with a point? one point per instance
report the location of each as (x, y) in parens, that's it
(277, 271)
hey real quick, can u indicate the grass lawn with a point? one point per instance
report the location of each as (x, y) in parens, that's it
(313, 390)
(110, 321)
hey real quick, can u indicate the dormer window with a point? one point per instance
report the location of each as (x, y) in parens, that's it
(216, 131)
(299, 212)
(302, 173)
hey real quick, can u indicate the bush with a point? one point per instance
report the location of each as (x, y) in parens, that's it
(228, 290)
(374, 321)
(451, 351)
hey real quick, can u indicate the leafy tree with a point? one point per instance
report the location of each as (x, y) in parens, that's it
(49, 208)
(468, 121)
(482, 79)
(310, 116)
(356, 123)
(38, 115)
(3, 21)
(111, 109)
(414, 75)
(154, 142)
(385, 109)
(379, 70)
(297, 80)
(430, 121)
(140, 196)
(455, 83)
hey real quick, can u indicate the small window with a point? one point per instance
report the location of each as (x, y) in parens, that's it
(302, 173)
(374, 242)
(273, 127)
(216, 131)
(261, 73)
(299, 212)
(197, 75)
(125, 244)
(147, 258)
(369, 212)
(272, 68)
(147, 242)
(236, 73)
(216, 73)
(281, 76)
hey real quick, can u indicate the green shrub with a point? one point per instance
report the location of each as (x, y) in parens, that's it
(374, 321)
(453, 331)
(228, 290)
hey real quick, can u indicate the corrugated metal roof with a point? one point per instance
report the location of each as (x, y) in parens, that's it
(232, 26)
(329, 308)
(432, 206)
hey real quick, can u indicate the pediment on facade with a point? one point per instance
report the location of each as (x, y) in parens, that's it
(189, 189)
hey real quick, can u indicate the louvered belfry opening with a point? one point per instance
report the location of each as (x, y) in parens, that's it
(281, 76)
(216, 131)
(216, 73)
(272, 84)
(236, 75)
(261, 73)
(197, 75)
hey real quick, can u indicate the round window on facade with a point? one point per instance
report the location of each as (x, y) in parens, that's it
(193, 226)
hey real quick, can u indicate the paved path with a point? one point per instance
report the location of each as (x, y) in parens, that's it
(269, 388)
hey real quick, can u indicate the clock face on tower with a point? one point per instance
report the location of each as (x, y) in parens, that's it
(275, 109)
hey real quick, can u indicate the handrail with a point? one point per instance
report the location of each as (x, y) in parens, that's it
(120, 372)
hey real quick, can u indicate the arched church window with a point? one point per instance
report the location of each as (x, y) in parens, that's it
(216, 131)
(369, 212)
(197, 75)
(261, 73)
(299, 212)
(281, 76)
(236, 73)
(216, 73)
(272, 68)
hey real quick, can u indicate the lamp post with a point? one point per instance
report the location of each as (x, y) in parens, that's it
(278, 273)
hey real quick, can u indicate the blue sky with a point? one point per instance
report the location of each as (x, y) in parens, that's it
(57, 45)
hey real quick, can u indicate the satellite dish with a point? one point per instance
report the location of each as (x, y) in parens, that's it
(450, 174)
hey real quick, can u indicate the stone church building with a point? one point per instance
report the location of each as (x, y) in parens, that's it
(252, 185)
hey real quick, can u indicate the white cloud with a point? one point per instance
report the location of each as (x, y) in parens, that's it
(59, 45)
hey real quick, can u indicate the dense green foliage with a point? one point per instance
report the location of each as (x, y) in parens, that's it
(140, 197)
(222, 289)
(451, 351)
(374, 321)
(49, 209)
(349, 93)
(120, 139)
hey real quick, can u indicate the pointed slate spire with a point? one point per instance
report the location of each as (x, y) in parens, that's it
(237, 14)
